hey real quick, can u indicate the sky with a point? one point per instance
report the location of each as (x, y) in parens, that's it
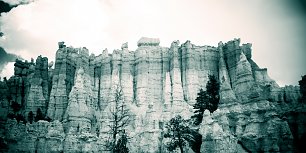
(276, 28)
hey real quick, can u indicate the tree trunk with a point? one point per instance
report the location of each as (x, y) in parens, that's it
(181, 148)
(180, 140)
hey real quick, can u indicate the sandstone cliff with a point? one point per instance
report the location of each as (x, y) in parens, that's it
(254, 114)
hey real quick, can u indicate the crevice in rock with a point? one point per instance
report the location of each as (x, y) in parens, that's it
(243, 146)
(183, 70)
(134, 83)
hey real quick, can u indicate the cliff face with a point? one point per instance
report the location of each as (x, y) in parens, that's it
(157, 84)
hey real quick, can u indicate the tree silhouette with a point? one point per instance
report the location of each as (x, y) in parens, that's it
(196, 141)
(212, 89)
(11, 115)
(208, 99)
(30, 117)
(15, 106)
(178, 132)
(3, 145)
(302, 84)
(121, 144)
(200, 106)
(39, 115)
(19, 118)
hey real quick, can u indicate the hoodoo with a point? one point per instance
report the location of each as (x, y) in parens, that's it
(76, 97)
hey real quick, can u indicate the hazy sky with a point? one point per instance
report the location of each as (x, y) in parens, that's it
(276, 28)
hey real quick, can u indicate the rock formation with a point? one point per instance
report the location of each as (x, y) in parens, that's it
(216, 136)
(79, 115)
(157, 83)
(39, 87)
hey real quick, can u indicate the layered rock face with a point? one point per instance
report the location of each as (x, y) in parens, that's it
(79, 115)
(254, 114)
(41, 136)
(29, 87)
(39, 87)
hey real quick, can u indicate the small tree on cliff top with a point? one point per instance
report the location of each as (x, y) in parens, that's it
(302, 84)
(179, 133)
(208, 99)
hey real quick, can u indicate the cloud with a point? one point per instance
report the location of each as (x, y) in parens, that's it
(275, 29)
(6, 58)
(35, 29)
(17, 2)
(7, 5)
(7, 70)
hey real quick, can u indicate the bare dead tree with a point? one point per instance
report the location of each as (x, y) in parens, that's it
(119, 119)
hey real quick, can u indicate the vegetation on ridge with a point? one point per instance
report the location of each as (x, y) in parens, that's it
(302, 84)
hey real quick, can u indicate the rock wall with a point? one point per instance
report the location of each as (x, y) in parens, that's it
(39, 87)
(29, 87)
(41, 136)
(157, 83)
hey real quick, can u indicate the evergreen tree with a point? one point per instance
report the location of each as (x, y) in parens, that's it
(121, 144)
(302, 84)
(30, 117)
(39, 115)
(200, 106)
(3, 145)
(212, 89)
(15, 106)
(19, 118)
(11, 115)
(178, 132)
(208, 99)
(196, 141)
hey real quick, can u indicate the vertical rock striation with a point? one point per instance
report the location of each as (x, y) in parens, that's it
(157, 83)
(226, 93)
(38, 92)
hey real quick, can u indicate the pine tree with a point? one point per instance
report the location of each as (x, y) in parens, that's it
(121, 144)
(196, 141)
(19, 118)
(179, 133)
(39, 115)
(208, 99)
(30, 117)
(200, 106)
(15, 106)
(212, 89)
(302, 84)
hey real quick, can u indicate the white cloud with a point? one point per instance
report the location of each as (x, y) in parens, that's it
(8, 70)
(17, 2)
(38, 27)
(34, 29)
